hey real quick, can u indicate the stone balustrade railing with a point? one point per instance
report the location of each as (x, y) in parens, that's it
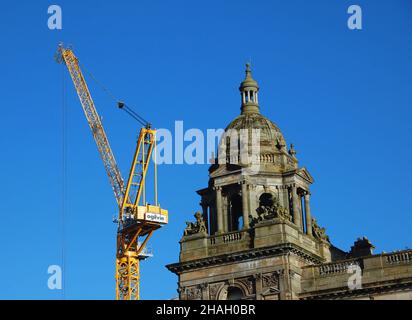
(226, 238)
(262, 158)
(399, 257)
(232, 237)
(337, 267)
(267, 158)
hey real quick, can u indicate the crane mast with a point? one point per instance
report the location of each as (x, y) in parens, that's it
(137, 220)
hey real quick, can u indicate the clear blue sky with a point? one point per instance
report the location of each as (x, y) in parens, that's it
(342, 97)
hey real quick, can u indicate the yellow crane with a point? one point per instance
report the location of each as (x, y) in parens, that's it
(137, 220)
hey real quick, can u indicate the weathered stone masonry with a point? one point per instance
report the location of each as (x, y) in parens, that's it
(256, 238)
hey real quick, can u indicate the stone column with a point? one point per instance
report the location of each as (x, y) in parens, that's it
(251, 199)
(308, 215)
(284, 198)
(225, 212)
(205, 291)
(297, 219)
(258, 286)
(219, 212)
(245, 206)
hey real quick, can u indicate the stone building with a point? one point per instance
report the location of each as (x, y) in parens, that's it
(256, 238)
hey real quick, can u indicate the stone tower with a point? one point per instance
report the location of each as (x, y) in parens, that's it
(255, 237)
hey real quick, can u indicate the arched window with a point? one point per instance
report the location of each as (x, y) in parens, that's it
(234, 293)
(266, 200)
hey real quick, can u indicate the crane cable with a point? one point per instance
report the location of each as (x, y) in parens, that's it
(119, 103)
(132, 113)
(64, 184)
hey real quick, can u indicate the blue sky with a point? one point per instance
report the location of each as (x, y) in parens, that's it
(342, 97)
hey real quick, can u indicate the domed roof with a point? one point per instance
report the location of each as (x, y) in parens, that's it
(272, 153)
(271, 138)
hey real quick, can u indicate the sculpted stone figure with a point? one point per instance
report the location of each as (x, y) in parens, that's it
(271, 211)
(197, 227)
(318, 232)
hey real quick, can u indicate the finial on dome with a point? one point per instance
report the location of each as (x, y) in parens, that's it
(249, 81)
(248, 70)
(292, 151)
(249, 91)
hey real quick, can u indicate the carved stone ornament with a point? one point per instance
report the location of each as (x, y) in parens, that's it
(213, 290)
(194, 292)
(197, 227)
(247, 284)
(318, 232)
(270, 212)
(270, 280)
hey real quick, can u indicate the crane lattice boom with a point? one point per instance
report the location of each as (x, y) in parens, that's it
(67, 56)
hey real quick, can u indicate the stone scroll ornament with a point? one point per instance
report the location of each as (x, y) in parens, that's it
(195, 227)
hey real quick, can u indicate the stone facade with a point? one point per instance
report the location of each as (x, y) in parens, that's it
(256, 238)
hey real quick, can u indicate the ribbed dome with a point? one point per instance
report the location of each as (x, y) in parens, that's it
(271, 138)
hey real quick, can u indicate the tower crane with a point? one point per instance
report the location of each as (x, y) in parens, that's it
(137, 220)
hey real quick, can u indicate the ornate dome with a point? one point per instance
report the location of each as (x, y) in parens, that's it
(272, 151)
(271, 138)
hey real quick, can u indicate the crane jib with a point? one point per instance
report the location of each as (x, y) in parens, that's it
(94, 121)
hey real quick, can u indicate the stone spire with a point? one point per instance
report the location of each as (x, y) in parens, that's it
(249, 92)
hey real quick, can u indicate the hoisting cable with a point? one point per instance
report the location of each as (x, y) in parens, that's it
(119, 103)
(64, 185)
(122, 105)
(133, 114)
(155, 172)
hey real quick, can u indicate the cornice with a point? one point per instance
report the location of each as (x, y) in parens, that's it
(252, 254)
(369, 289)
